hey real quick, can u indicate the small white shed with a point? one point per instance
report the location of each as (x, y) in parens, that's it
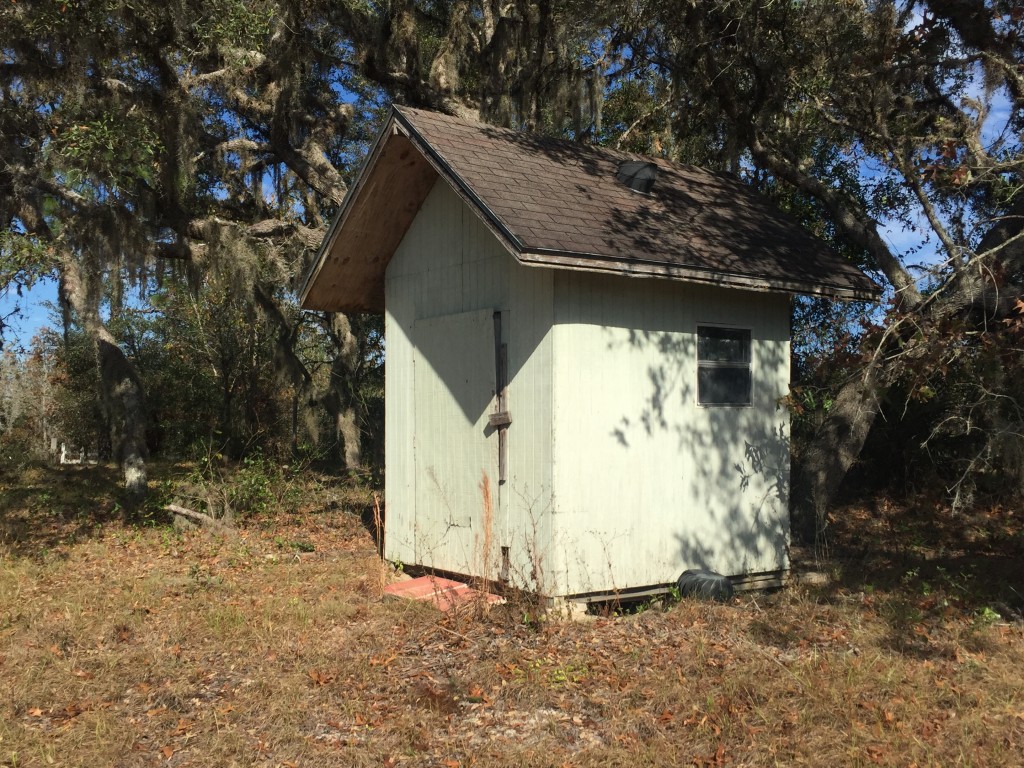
(585, 353)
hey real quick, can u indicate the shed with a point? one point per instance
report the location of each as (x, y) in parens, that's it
(583, 369)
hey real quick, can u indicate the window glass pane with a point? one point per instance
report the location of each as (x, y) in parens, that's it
(723, 385)
(723, 345)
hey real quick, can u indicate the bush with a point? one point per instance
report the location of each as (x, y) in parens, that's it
(229, 491)
(19, 446)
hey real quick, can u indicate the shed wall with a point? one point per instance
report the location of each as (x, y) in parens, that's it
(647, 482)
(448, 265)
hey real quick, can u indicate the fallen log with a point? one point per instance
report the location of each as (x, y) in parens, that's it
(197, 518)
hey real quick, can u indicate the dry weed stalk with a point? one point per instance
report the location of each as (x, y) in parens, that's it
(378, 532)
(484, 548)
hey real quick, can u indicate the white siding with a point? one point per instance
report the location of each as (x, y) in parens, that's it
(617, 478)
(449, 264)
(454, 392)
(647, 482)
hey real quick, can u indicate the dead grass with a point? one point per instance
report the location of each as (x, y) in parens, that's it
(139, 646)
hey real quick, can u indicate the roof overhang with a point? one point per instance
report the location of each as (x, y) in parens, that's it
(402, 167)
(348, 272)
(637, 268)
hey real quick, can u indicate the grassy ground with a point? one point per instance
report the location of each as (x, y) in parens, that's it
(135, 645)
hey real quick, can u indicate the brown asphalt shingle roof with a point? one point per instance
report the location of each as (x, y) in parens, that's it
(558, 203)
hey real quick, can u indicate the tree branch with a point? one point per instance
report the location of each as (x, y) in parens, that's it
(854, 224)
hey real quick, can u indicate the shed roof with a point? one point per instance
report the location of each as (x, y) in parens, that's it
(558, 204)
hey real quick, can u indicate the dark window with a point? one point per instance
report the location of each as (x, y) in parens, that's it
(723, 366)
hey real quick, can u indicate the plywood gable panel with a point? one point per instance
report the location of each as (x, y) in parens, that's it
(375, 218)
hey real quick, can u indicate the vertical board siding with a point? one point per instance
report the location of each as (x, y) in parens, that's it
(617, 477)
(449, 264)
(454, 388)
(399, 421)
(647, 482)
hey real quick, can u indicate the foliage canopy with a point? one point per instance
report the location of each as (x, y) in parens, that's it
(183, 159)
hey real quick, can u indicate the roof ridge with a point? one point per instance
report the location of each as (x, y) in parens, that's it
(556, 203)
(479, 124)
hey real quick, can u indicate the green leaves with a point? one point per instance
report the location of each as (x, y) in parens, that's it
(23, 260)
(238, 24)
(114, 150)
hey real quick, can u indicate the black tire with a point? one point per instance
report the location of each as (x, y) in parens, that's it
(705, 585)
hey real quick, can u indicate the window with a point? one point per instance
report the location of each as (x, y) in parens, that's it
(723, 366)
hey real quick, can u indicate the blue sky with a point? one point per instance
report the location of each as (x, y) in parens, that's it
(34, 306)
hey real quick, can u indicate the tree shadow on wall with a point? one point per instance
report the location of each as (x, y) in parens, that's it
(751, 520)
(734, 460)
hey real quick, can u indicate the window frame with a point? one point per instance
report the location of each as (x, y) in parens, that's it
(747, 365)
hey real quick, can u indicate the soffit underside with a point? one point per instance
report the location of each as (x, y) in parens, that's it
(371, 226)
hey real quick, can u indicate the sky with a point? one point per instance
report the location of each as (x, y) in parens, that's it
(34, 306)
(917, 243)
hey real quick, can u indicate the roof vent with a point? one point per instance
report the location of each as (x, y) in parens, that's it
(638, 175)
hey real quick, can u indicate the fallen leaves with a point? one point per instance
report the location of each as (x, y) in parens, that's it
(60, 716)
(715, 759)
(877, 753)
(320, 669)
(321, 678)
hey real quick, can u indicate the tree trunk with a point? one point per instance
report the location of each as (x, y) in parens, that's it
(340, 399)
(833, 451)
(122, 393)
(350, 437)
(124, 403)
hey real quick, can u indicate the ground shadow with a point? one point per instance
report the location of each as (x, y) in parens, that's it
(922, 566)
(45, 507)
